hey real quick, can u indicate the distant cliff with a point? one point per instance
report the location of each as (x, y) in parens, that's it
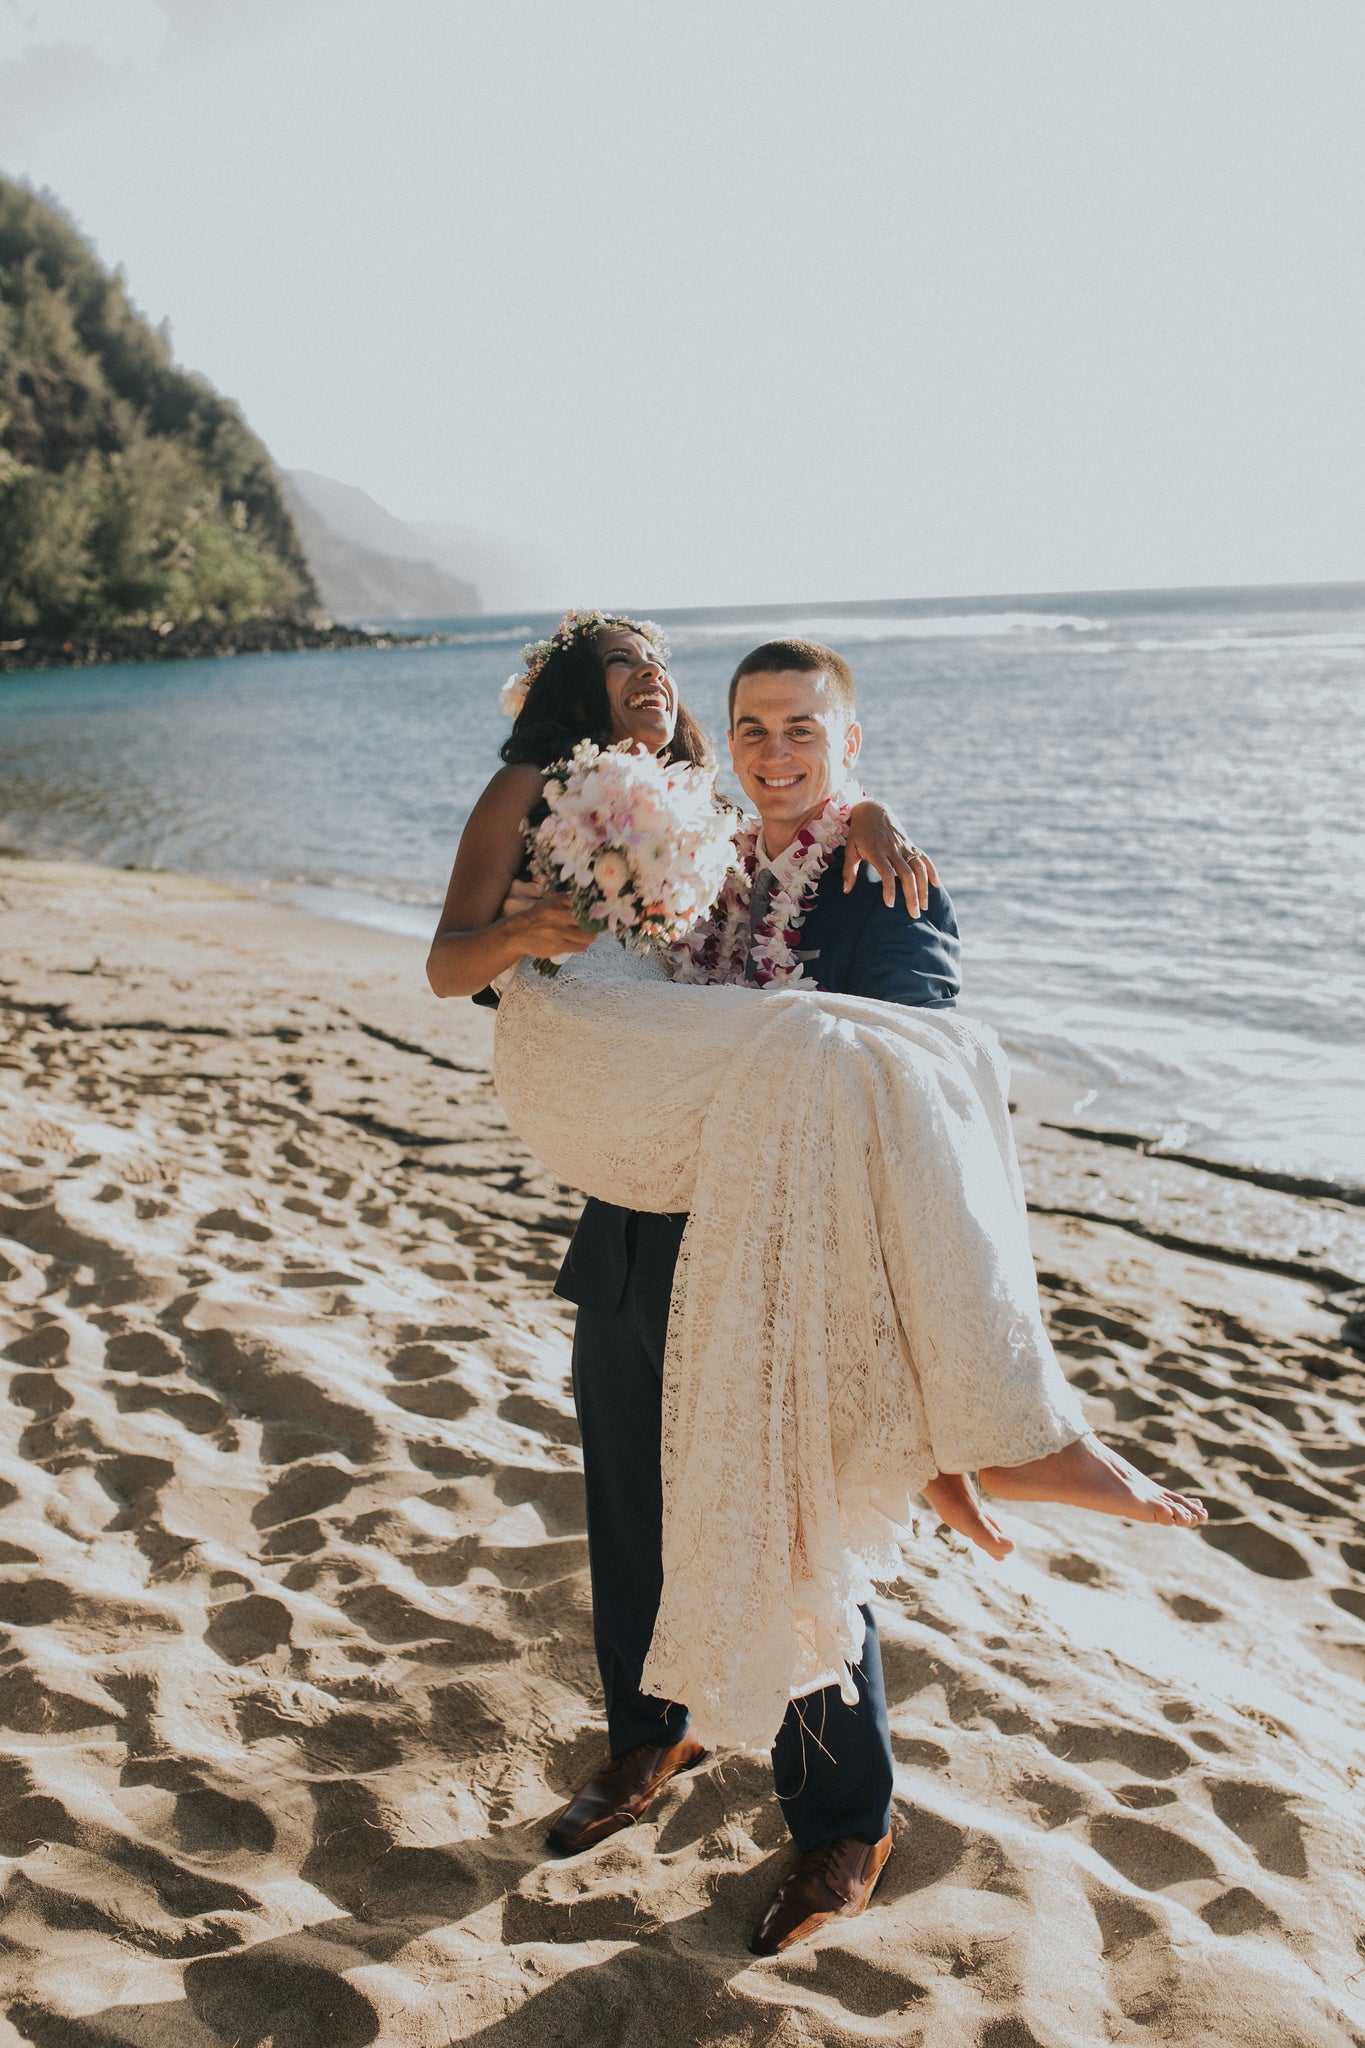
(507, 575)
(365, 564)
(137, 508)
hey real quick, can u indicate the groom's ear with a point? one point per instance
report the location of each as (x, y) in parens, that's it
(853, 741)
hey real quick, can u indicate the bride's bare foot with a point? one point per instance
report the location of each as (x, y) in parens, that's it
(1087, 1474)
(953, 1499)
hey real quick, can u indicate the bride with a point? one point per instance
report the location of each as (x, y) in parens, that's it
(855, 1314)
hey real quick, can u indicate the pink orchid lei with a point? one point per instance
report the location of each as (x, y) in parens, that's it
(717, 949)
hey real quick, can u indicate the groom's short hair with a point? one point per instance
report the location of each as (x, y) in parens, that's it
(808, 658)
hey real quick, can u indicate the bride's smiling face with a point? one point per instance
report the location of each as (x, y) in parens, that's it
(644, 703)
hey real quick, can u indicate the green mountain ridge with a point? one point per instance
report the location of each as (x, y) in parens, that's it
(134, 499)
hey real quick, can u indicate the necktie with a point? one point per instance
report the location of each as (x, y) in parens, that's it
(759, 898)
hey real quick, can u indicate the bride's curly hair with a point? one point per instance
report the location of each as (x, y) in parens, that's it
(567, 702)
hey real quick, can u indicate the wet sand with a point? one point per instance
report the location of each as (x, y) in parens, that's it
(295, 1648)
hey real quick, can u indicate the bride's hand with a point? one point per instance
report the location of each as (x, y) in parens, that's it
(521, 896)
(875, 836)
(546, 925)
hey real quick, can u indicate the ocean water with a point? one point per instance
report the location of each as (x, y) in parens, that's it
(1146, 807)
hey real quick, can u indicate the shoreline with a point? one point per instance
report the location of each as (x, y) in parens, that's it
(1057, 1095)
(1147, 1190)
(1040, 1096)
(1262, 1177)
(297, 1651)
(194, 642)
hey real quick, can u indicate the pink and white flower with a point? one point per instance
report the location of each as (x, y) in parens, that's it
(611, 870)
(639, 844)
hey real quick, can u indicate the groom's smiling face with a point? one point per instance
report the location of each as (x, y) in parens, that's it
(792, 741)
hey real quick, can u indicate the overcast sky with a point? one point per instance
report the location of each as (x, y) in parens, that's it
(756, 300)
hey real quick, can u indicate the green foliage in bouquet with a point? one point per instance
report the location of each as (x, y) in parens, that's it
(131, 493)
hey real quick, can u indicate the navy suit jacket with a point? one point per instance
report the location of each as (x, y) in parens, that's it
(852, 945)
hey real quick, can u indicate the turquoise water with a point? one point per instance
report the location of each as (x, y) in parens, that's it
(1146, 809)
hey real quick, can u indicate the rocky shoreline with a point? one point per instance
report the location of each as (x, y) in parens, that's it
(193, 642)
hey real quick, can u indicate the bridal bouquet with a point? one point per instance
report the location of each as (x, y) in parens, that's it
(638, 844)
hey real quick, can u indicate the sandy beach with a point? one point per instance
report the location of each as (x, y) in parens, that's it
(295, 1647)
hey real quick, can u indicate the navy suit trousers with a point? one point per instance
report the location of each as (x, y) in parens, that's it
(831, 1762)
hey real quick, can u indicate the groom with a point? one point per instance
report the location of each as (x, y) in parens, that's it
(793, 739)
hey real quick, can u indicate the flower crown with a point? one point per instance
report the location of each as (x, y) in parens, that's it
(537, 652)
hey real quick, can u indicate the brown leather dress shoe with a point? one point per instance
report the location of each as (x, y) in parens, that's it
(619, 1794)
(832, 1881)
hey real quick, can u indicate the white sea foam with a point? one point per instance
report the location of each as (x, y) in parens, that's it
(836, 628)
(1235, 640)
(411, 914)
(843, 630)
(1267, 1099)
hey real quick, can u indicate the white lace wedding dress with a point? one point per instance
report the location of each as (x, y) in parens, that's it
(855, 1305)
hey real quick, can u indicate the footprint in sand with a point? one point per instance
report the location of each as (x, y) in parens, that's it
(28, 1816)
(295, 1539)
(235, 1225)
(291, 1990)
(1238, 1912)
(527, 1411)
(919, 1752)
(441, 1400)
(243, 1630)
(525, 1566)
(1263, 1817)
(1153, 1756)
(1254, 1546)
(29, 1705)
(198, 1413)
(1148, 1855)
(1289, 1493)
(389, 1617)
(475, 1715)
(420, 1362)
(300, 1418)
(353, 1742)
(69, 1252)
(928, 1848)
(1188, 1607)
(556, 1496)
(607, 1912)
(1091, 1320)
(47, 1345)
(1081, 1571)
(207, 1822)
(1055, 1803)
(144, 1352)
(40, 1393)
(1144, 1797)
(35, 1603)
(447, 1461)
(134, 1480)
(1134, 1952)
(859, 1985)
(303, 1490)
